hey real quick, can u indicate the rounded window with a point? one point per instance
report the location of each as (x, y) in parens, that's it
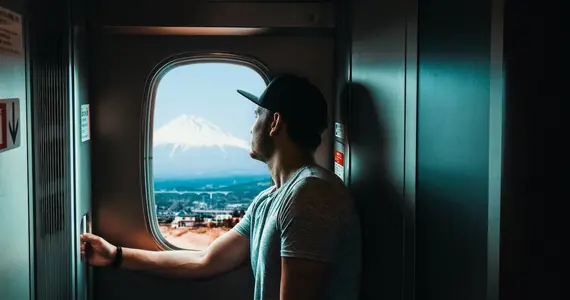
(201, 176)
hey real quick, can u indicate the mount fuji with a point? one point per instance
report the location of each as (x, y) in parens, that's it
(190, 147)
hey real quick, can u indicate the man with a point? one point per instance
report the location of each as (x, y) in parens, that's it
(302, 235)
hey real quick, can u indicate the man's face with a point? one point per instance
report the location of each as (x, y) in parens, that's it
(262, 144)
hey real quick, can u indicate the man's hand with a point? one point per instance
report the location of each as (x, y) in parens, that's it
(226, 253)
(100, 253)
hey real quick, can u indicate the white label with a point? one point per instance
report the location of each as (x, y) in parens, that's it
(339, 130)
(10, 127)
(85, 123)
(10, 33)
(339, 170)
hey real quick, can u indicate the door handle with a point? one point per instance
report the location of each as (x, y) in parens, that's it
(84, 228)
(83, 278)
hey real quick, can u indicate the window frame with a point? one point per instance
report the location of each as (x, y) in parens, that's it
(146, 149)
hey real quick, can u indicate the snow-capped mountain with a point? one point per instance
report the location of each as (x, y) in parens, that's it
(186, 132)
(192, 146)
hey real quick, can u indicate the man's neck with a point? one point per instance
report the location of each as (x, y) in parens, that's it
(284, 164)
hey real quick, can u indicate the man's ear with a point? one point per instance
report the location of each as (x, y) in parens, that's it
(276, 124)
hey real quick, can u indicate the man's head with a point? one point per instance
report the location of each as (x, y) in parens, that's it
(291, 112)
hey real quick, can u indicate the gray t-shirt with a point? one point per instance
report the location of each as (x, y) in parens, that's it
(311, 216)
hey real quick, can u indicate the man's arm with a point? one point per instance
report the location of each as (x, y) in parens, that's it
(303, 279)
(226, 253)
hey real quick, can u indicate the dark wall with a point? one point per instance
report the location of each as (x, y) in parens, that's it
(377, 105)
(257, 13)
(454, 149)
(535, 178)
(425, 107)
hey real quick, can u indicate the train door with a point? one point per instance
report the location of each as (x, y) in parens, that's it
(61, 143)
(128, 62)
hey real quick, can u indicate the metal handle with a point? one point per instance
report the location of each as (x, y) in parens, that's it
(83, 279)
(84, 228)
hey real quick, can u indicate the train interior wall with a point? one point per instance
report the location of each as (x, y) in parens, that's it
(452, 144)
(451, 173)
(15, 219)
(118, 87)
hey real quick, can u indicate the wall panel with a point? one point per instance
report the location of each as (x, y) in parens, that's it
(15, 268)
(453, 162)
(377, 131)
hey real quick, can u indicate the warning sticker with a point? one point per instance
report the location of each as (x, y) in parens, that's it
(339, 164)
(9, 124)
(10, 33)
(85, 123)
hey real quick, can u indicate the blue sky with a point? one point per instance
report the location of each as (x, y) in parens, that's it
(208, 90)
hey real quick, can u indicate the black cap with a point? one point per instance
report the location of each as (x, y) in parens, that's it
(296, 99)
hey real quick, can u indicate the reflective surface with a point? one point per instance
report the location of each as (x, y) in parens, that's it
(454, 157)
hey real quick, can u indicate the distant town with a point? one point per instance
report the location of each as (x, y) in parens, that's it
(206, 202)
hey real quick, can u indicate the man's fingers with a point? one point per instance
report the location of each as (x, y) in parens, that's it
(88, 237)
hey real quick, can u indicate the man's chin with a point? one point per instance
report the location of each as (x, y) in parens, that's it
(252, 154)
(255, 156)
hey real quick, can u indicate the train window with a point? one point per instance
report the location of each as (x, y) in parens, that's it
(203, 176)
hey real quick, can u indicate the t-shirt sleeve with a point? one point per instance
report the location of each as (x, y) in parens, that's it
(244, 225)
(311, 221)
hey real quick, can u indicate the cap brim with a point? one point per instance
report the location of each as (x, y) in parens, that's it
(249, 96)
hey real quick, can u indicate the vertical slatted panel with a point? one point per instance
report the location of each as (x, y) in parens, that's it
(49, 72)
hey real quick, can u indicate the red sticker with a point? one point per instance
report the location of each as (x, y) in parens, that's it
(339, 157)
(3, 126)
